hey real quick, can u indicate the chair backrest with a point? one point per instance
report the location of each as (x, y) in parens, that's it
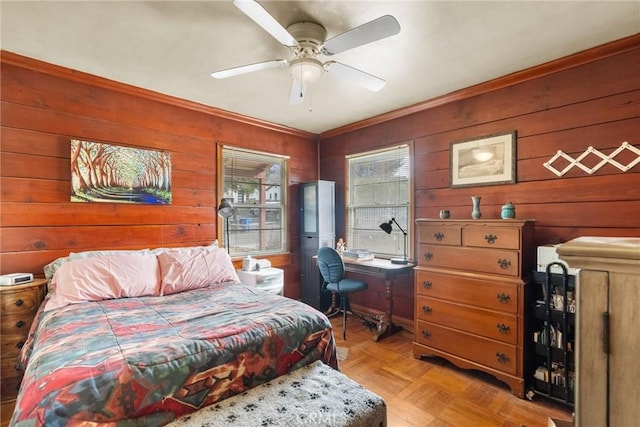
(330, 265)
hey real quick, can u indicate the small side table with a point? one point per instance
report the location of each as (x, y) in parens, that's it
(268, 279)
(19, 305)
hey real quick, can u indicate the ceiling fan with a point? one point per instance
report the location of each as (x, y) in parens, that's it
(306, 41)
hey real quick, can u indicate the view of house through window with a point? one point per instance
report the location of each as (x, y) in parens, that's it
(255, 183)
(379, 189)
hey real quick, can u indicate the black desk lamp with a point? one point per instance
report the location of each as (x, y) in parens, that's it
(387, 227)
(225, 210)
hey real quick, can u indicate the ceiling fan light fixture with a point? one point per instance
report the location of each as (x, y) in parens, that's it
(306, 70)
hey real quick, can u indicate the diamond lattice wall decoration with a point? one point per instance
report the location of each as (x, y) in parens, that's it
(593, 151)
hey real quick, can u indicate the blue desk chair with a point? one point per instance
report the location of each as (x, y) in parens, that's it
(332, 270)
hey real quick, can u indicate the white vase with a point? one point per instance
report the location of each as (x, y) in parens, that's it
(475, 213)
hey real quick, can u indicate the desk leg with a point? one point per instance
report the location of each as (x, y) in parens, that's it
(387, 327)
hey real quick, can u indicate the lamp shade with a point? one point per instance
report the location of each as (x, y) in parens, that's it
(386, 227)
(225, 209)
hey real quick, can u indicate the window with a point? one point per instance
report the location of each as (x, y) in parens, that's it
(379, 188)
(256, 185)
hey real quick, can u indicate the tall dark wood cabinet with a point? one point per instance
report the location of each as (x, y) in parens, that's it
(318, 229)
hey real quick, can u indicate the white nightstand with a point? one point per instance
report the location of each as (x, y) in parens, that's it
(268, 279)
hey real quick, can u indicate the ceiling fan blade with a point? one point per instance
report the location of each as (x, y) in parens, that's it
(353, 75)
(298, 89)
(261, 17)
(378, 29)
(236, 71)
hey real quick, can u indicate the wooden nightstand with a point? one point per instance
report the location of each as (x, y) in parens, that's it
(18, 304)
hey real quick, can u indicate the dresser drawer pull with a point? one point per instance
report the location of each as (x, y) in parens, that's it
(490, 238)
(428, 256)
(502, 358)
(504, 298)
(504, 329)
(426, 309)
(439, 236)
(19, 303)
(20, 344)
(20, 323)
(426, 334)
(427, 284)
(504, 263)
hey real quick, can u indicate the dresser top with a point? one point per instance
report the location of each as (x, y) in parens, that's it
(35, 282)
(476, 221)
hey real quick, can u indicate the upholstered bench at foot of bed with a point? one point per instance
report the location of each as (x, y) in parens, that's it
(315, 395)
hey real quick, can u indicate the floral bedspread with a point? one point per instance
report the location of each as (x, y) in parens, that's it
(149, 360)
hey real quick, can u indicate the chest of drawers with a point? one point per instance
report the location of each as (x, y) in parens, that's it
(18, 305)
(469, 292)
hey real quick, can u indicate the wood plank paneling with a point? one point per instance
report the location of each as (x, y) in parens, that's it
(45, 106)
(572, 62)
(80, 238)
(594, 103)
(589, 99)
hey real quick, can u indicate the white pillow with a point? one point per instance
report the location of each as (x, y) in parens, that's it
(192, 268)
(105, 277)
(213, 245)
(51, 268)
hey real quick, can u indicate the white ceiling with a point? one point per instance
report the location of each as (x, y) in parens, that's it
(171, 47)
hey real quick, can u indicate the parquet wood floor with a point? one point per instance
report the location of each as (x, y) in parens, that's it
(433, 392)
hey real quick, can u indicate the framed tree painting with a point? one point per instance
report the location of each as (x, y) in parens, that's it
(116, 174)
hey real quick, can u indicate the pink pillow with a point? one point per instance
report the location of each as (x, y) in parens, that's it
(105, 277)
(192, 268)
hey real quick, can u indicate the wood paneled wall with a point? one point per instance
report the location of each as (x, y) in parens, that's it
(44, 106)
(589, 99)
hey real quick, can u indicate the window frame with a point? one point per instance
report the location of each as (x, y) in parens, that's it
(282, 206)
(396, 234)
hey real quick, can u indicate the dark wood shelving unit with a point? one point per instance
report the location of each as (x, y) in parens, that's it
(554, 320)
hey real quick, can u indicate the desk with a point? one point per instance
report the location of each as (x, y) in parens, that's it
(382, 268)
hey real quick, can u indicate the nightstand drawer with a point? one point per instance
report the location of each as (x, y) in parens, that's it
(10, 385)
(10, 375)
(9, 369)
(21, 300)
(16, 324)
(490, 324)
(11, 344)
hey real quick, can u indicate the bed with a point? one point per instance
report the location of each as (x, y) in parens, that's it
(111, 347)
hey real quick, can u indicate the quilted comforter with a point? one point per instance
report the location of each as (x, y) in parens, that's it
(148, 360)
